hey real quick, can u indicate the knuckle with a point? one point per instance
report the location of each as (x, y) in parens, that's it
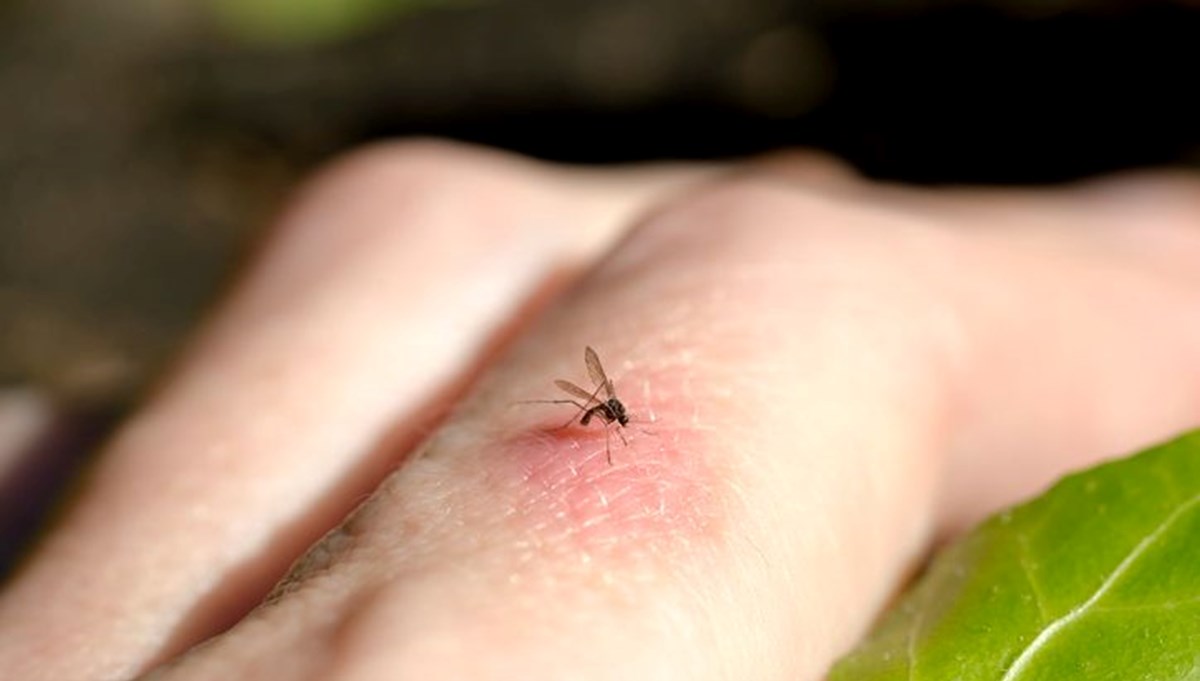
(398, 190)
(755, 218)
(793, 248)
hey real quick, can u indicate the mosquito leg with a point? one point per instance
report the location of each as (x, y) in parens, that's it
(552, 402)
(582, 409)
(586, 408)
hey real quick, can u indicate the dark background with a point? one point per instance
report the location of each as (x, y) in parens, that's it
(144, 143)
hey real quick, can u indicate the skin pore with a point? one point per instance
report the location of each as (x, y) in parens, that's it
(825, 376)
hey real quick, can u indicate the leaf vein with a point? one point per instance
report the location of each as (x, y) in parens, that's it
(913, 633)
(1161, 605)
(1027, 569)
(1026, 656)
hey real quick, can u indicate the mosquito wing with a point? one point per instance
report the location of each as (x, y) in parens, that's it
(599, 378)
(575, 391)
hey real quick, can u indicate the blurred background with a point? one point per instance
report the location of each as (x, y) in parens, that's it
(145, 143)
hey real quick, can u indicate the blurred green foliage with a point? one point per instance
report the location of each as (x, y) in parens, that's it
(296, 23)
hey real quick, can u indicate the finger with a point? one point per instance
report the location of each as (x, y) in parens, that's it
(785, 403)
(798, 387)
(1144, 218)
(393, 273)
(1085, 341)
(1072, 285)
(27, 419)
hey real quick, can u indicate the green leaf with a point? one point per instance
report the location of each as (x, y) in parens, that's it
(1099, 578)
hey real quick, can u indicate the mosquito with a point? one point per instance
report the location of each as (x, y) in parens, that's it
(608, 409)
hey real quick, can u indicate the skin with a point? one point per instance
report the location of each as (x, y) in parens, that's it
(826, 377)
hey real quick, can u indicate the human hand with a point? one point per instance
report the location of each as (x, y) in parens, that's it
(825, 377)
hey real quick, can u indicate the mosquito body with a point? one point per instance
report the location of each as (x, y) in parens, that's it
(608, 408)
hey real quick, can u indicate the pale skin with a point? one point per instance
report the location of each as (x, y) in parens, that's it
(825, 377)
